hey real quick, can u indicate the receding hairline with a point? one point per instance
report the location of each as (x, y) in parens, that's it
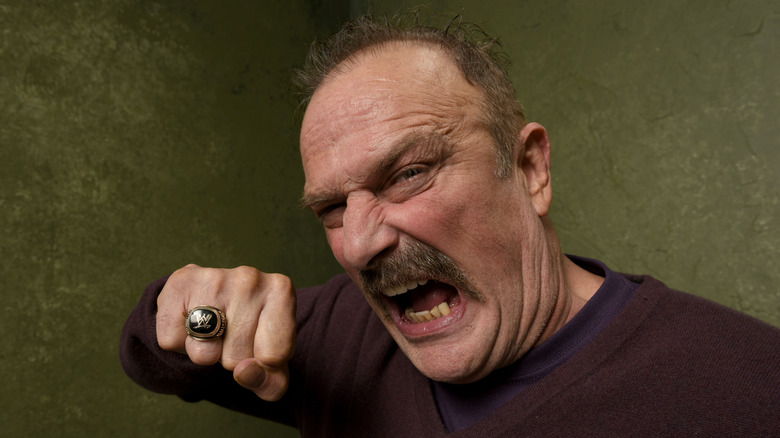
(472, 50)
(375, 50)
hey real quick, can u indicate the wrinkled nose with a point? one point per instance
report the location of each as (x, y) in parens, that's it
(367, 235)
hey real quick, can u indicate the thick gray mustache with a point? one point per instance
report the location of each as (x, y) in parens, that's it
(415, 261)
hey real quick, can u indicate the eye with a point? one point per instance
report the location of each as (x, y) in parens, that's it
(407, 182)
(332, 215)
(409, 173)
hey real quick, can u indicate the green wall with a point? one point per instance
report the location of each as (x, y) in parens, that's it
(665, 123)
(138, 136)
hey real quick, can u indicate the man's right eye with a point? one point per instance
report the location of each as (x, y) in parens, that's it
(331, 216)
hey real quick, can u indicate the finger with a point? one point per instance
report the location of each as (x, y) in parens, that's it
(275, 337)
(171, 334)
(270, 384)
(246, 283)
(172, 312)
(238, 341)
(204, 352)
(184, 290)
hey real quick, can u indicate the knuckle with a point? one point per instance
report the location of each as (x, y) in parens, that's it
(209, 276)
(250, 281)
(245, 278)
(280, 281)
(247, 273)
(280, 285)
(190, 276)
(185, 271)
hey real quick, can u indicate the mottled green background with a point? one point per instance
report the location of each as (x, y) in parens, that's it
(138, 136)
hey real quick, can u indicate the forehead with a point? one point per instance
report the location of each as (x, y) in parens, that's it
(379, 97)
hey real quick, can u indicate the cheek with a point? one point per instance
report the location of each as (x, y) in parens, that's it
(335, 240)
(483, 229)
(443, 219)
(432, 219)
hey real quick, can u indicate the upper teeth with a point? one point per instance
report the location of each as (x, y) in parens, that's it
(403, 288)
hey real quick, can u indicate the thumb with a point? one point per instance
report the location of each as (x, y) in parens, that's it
(268, 383)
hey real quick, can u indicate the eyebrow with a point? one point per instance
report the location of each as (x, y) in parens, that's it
(398, 150)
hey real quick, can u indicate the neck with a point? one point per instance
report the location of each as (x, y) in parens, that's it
(572, 285)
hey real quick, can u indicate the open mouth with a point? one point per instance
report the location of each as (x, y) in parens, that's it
(422, 301)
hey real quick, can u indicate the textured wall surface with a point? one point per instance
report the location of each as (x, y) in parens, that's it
(665, 123)
(138, 136)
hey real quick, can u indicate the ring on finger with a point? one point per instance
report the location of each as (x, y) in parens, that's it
(205, 322)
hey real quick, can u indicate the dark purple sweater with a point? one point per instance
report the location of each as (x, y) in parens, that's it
(669, 364)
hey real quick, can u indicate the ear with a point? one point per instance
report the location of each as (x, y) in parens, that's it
(534, 162)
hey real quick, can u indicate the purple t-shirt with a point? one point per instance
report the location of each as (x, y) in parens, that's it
(461, 406)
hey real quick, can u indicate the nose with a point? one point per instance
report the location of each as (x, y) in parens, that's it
(367, 235)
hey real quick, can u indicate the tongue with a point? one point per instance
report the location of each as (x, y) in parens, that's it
(431, 295)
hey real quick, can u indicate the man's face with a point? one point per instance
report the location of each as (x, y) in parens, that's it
(401, 169)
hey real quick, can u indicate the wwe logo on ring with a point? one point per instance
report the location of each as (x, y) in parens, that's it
(203, 321)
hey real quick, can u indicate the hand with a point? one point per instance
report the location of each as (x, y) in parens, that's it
(260, 334)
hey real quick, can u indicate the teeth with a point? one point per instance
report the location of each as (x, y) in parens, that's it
(403, 288)
(436, 312)
(393, 291)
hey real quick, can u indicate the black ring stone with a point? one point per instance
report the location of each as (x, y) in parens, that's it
(204, 322)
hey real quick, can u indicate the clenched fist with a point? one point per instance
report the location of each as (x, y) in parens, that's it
(260, 334)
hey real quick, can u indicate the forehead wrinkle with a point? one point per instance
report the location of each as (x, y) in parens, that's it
(436, 97)
(342, 113)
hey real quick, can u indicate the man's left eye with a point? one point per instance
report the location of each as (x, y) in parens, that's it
(410, 173)
(407, 182)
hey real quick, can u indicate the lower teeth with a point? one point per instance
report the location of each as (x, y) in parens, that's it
(436, 312)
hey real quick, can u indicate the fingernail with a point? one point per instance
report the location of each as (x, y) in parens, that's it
(252, 376)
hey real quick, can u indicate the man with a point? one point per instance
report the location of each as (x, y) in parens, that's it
(434, 194)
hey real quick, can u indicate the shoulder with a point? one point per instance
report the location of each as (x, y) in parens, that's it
(674, 361)
(687, 316)
(687, 344)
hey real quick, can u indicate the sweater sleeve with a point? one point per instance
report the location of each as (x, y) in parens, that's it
(168, 372)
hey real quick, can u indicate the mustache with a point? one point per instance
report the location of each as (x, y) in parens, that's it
(414, 262)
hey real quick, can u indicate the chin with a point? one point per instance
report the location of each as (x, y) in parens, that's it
(449, 367)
